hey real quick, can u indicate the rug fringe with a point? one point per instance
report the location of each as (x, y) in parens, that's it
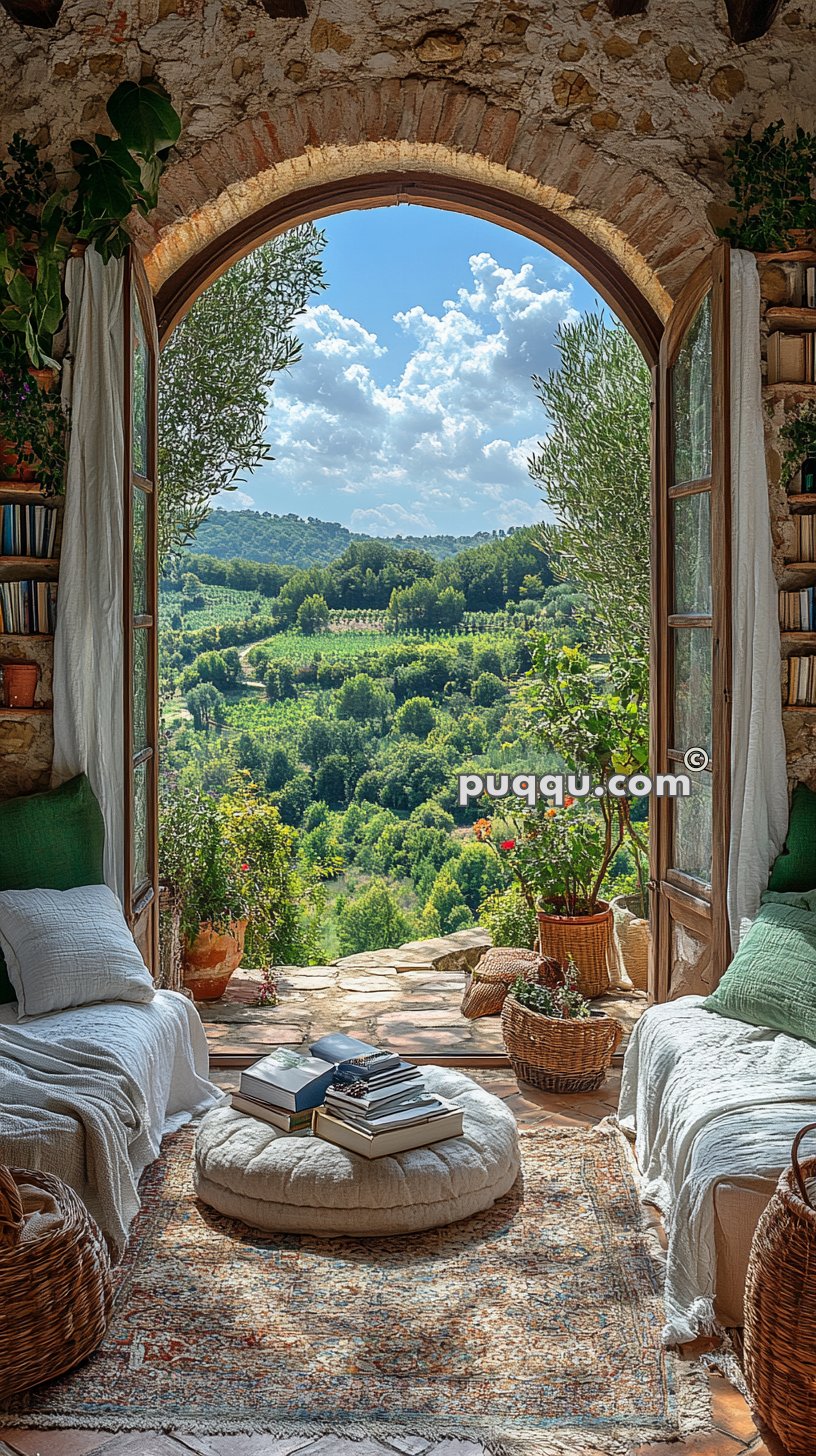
(563, 1441)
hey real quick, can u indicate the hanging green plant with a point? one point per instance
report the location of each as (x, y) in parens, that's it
(118, 174)
(771, 177)
(32, 251)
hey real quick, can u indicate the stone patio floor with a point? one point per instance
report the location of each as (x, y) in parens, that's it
(408, 999)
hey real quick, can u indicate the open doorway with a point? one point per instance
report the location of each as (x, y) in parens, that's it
(385, 621)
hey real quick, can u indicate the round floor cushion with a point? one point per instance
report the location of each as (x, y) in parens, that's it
(247, 1170)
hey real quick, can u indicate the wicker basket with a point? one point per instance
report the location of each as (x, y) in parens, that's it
(488, 983)
(634, 939)
(780, 1297)
(55, 1281)
(588, 939)
(559, 1056)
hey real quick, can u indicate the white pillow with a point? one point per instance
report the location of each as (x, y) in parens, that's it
(69, 948)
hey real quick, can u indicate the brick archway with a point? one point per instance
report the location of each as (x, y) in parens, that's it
(424, 141)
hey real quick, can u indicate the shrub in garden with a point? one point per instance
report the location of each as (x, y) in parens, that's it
(372, 921)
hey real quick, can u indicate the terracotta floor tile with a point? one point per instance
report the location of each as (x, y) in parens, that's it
(730, 1410)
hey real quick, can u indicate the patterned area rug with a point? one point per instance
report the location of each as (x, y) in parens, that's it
(532, 1327)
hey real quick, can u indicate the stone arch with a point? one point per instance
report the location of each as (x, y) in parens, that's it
(427, 141)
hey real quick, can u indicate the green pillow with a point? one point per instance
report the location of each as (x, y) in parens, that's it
(772, 978)
(50, 841)
(795, 865)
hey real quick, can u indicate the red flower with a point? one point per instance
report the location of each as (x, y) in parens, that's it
(245, 866)
(568, 802)
(508, 844)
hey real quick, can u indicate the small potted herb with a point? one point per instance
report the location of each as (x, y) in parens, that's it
(554, 1040)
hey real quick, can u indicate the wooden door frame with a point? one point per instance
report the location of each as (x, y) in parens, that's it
(145, 907)
(703, 912)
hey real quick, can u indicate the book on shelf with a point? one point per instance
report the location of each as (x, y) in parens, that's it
(809, 290)
(805, 526)
(28, 608)
(797, 610)
(791, 358)
(290, 1080)
(275, 1116)
(799, 682)
(28, 530)
(387, 1141)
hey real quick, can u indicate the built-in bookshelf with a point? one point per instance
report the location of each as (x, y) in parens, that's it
(30, 541)
(789, 348)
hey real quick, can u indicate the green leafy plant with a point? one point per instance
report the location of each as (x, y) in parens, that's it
(31, 253)
(197, 859)
(771, 177)
(798, 436)
(508, 918)
(555, 996)
(33, 417)
(117, 174)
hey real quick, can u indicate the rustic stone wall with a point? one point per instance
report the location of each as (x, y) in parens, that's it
(619, 124)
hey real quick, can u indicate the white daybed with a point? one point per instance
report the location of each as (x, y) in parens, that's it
(87, 1093)
(714, 1105)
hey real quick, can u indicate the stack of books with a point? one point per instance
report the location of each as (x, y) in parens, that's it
(797, 610)
(283, 1089)
(377, 1104)
(27, 607)
(28, 530)
(800, 682)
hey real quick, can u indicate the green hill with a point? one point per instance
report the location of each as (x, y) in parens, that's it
(294, 541)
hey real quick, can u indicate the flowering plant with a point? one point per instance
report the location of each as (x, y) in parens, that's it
(558, 856)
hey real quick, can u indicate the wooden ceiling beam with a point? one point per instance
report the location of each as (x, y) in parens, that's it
(749, 19)
(41, 13)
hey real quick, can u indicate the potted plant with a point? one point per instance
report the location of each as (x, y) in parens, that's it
(772, 207)
(554, 1040)
(199, 863)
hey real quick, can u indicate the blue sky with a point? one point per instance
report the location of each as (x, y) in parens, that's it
(412, 410)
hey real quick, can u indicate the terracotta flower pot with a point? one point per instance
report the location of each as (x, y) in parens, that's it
(17, 462)
(211, 958)
(20, 683)
(585, 938)
(45, 379)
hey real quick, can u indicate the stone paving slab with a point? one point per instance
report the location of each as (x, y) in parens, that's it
(416, 1010)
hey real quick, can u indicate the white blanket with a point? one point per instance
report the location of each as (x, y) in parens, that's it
(707, 1098)
(88, 1093)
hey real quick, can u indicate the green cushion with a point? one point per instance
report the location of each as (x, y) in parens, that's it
(772, 978)
(795, 865)
(50, 841)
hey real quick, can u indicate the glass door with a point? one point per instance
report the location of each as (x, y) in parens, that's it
(691, 657)
(141, 616)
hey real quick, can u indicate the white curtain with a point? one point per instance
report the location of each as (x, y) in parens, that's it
(88, 647)
(759, 792)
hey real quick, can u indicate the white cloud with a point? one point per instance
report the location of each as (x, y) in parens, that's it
(441, 445)
(233, 500)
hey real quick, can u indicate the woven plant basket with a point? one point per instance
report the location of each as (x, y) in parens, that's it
(634, 937)
(488, 983)
(780, 1298)
(55, 1280)
(588, 939)
(559, 1056)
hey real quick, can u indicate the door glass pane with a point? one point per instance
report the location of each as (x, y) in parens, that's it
(139, 564)
(692, 830)
(691, 533)
(139, 389)
(691, 399)
(141, 791)
(692, 688)
(140, 659)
